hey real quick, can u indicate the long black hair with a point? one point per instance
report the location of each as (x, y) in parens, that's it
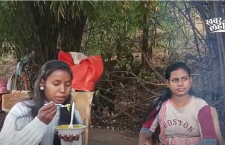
(39, 98)
(167, 94)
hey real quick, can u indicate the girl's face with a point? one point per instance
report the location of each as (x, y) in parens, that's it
(57, 86)
(179, 82)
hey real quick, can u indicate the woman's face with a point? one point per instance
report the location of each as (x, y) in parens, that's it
(57, 86)
(179, 82)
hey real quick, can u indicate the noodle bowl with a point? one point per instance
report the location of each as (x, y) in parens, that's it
(76, 130)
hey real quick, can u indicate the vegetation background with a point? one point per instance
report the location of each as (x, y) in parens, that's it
(137, 40)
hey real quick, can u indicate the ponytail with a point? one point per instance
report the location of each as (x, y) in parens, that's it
(166, 94)
(192, 92)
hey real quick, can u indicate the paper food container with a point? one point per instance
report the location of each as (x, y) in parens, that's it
(64, 130)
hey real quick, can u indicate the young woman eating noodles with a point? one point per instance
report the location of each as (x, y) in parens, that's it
(33, 123)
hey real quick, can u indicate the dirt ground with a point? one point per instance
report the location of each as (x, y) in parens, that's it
(109, 137)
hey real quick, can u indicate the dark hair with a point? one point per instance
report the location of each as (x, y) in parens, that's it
(167, 94)
(46, 70)
(39, 97)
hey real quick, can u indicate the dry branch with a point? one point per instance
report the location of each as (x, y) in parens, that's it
(147, 61)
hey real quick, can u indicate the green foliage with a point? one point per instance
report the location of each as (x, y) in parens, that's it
(35, 26)
(118, 22)
(113, 29)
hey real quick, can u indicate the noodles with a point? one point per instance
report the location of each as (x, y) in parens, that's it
(68, 107)
(66, 126)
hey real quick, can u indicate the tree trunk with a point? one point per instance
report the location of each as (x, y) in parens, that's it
(145, 35)
(48, 30)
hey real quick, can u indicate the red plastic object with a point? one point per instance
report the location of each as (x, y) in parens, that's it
(3, 90)
(3, 82)
(85, 74)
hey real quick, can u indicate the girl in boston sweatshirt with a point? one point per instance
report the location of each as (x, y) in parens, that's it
(183, 118)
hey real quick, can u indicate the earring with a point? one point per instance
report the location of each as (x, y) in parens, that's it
(41, 88)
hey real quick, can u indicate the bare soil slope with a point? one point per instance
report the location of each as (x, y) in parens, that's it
(7, 66)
